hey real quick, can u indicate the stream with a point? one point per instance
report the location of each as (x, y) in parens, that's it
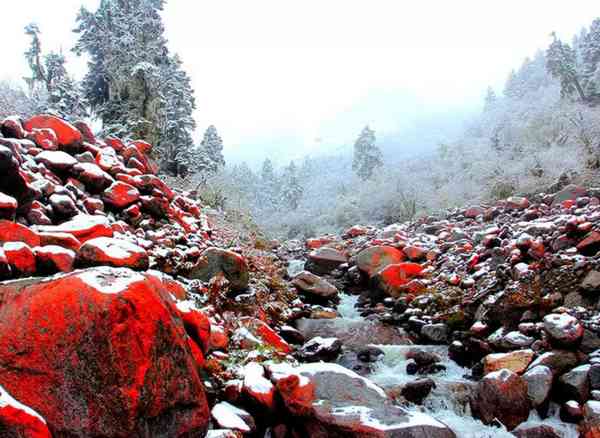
(448, 401)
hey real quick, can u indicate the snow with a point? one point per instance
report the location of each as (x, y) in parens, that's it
(323, 343)
(14, 246)
(254, 379)
(186, 306)
(283, 370)
(56, 158)
(230, 417)
(77, 223)
(110, 280)
(502, 375)
(414, 419)
(7, 400)
(115, 248)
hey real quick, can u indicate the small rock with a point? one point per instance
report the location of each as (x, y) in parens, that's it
(417, 390)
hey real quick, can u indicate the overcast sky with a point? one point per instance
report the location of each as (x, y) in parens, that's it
(286, 77)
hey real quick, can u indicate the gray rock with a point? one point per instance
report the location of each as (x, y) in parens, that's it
(435, 332)
(563, 329)
(539, 383)
(314, 286)
(574, 384)
(591, 282)
(217, 261)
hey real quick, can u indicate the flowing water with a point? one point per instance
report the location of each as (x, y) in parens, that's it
(448, 402)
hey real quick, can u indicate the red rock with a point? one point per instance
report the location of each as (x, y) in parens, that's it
(86, 131)
(107, 159)
(218, 338)
(318, 242)
(142, 146)
(115, 143)
(517, 203)
(5, 269)
(84, 227)
(15, 232)
(11, 127)
(20, 257)
(414, 253)
(120, 195)
(501, 395)
(56, 160)
(137, 164)
(14, 181)
(66, 133)
(52, 258)
(325, 259)
(110, 352)
(356, 231)
(113, 252)
(93, 205)
(93, 177)
(375, 258)
(196, 324)
(257, 388)
(8, 207)
(157, 206)
(20, 421)
(266, 334)
(44, 138)
(590, 245)
(473, 212)
(393, 278)
(147, 183)
(64, 240)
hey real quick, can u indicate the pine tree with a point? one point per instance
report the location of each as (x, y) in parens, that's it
(510, 87)
(590, 59)
(57, 92)
(291, 190)
(208, 156)
(561, 63)
(490, 99)
(127, 58)
(176, 144)
(268, 195)
(367, 156)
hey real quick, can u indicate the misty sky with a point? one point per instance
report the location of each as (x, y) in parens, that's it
(285, 78)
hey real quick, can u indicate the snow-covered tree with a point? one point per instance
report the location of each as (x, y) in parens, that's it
(268, 194)
(176, 144)
(367, 156)
(291, 190)
(589, 48)
(490, 99)
(50, 84)
(561, 62)
(127, 67)
(208, 156)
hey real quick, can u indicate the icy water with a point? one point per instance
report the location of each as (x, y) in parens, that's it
(448, 402)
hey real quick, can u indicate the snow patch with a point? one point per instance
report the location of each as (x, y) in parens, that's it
(7, 400)
(109, 280)
(230, 417)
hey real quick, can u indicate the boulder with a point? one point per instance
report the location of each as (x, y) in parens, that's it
(66, 134)
(20, 421)
(373, 259)
(233, 418)
(417, 390)
(436, 333)
(216, 261)
(569, 193)
(501, 395)
(120, 195)
(113, 252)
(328, 400)
(15, 232)
(56, 160)
(258, 390)
(53, 258)
(255, 332)
(13, 181)
(83, 227)
(539, 383)
(111, 359)
(563, 329)
(535, 431)
(320, 349)
(315, 287)
(8, 207)
(515, 361)
(574, 385)
(20, 257)
(591, 282)
(324, 259)
(393, 279)
(591, 420)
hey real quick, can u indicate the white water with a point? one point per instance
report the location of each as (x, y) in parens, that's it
(448, 402)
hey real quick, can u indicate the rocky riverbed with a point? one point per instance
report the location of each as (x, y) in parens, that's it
(127, 311)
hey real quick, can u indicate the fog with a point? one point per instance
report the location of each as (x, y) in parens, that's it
(285, 80)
